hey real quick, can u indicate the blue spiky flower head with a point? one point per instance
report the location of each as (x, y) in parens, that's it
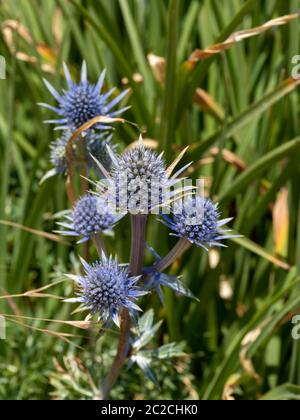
(197, 219)
(90, 215)
(107, 288)
(83, 101)
(140, 181)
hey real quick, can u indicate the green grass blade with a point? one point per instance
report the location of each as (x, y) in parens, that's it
(251, 174)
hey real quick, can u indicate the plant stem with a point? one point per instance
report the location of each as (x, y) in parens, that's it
(99, 244)
(181, 246)
(138, 232)
(123, 350)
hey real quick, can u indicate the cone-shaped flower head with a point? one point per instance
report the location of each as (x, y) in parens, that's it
(198, 220)
(107, 288)
(83, 101)
(90, 215)
(139, 180)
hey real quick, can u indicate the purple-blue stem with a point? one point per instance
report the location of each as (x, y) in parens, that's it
(138, 232)
(179, 249)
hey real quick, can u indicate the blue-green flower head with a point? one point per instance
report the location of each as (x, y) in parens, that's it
(82, 102)
(107, 288)
(197, 219)
(91, 215)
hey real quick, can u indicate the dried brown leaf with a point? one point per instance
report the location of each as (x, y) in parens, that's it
(230, 158)
(249, 339)
(230, 387)
(240, 36)
(208, 104)
(158, 66)
(57, 26)
(149, 143)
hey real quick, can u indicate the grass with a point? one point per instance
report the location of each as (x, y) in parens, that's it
(239, 335)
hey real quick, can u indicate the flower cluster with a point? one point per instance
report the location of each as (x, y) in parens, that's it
(137, 182)
(194, 219)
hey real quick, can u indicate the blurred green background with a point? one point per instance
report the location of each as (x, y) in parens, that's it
(239, 112)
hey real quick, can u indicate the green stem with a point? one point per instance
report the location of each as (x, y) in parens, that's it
(99, 244)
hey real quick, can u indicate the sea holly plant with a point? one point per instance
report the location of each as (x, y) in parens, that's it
(135, 183)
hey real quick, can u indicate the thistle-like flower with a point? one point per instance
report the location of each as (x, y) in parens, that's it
(197, 219)
(139, 180)
(107, 288)
(90, 215)
(82, 102)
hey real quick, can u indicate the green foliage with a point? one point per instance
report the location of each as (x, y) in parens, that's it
(239, 335)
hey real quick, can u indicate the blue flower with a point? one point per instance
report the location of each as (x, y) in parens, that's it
(83, 101)
(139, 180)
(197, 219)
(90, 215)
(106, 289)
